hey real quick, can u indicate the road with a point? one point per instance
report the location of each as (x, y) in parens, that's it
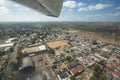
(12, 58)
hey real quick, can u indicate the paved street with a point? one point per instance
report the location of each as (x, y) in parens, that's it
(12, 58)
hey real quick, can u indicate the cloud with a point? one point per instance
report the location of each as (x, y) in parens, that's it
(116, 14)
(6, 3)
(81, 4)
(70, 4)
(118, 8)
(99, 6)
(3, 10)
(70, 10)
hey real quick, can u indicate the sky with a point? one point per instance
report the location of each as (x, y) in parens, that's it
(72, 10)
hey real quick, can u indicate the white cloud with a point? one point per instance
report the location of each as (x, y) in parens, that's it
(94, 7)
(20, 9)
(3, 10)
(116, 14)
(81, 4)
(70, 10)
(101, 6)
(16, 5)
(96, 15)
(118, 8)
(27, 9)
(6, 3)
(70, 4)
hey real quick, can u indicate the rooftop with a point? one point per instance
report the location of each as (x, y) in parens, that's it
(6, 45)
(77, 69)
(34, 49)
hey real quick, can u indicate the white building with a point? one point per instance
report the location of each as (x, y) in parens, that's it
(11, 40)
(7, 45)
(35, 49)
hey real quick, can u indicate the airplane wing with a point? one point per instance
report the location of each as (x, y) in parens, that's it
(47, 7)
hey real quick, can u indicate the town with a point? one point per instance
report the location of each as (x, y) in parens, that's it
(55, 52)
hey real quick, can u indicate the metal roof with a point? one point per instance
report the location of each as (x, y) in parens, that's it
(6, 45)
(27, 61)
(34, 49)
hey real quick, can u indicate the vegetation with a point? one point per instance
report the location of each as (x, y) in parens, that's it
(97, 73)
(69, 58)
(14, 65)
(72, 78)
(51, 51)
(19, 56)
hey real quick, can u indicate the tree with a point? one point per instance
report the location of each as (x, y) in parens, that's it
(72, 78)
(51, 51)
(14, 65)
(69, 58)
(97, 73)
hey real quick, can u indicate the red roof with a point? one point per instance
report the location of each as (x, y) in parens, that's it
(116, 73)
(109, 69)
(61, 67)
(77, 69)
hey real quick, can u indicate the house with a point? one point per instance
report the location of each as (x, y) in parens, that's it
(113, 71)
(63, 76)
(113, 58)
(60, 68)
(116, 74)
(108, 48)
(99, 56)
(76, 70)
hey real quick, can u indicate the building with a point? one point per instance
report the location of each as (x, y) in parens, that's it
(113, 59)
(99, 56)
(3, 60)
(47, 7)
(7, 45)
(60, 68)
(76, 70)
(35, 49)
(116, 74)
(27, 65)
(12, 40)
(113, 71)
(63, 76)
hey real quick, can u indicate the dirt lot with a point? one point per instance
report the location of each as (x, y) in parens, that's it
(56, 44)
(36, 61)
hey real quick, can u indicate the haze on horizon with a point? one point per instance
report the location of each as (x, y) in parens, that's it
(72, 10)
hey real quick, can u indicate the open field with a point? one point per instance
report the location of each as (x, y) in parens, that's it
(96, 36)
(104, 31)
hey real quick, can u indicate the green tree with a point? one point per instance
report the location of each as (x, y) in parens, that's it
(51, 51)
(97, 73)
(72, 78)
(14, 65)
